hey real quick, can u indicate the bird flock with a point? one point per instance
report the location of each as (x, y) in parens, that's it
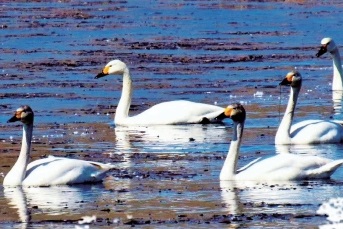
(279, 167)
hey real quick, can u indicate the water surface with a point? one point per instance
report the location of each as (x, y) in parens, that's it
(212, 52)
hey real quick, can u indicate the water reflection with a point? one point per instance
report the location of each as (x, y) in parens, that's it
(337, 102)
(286, 197)
(337, 105)
(332, 151)
(170, 139)
(54, 200)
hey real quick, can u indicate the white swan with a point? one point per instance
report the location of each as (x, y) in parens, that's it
(308, 131)
(328, 45)
(51, 170)
(281, 167)
(166, 113)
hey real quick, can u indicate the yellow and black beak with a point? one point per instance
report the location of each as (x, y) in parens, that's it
(228, 111)
(322, 50)
(14, 118)
(103, 73)
(236, 112)
(286, 82)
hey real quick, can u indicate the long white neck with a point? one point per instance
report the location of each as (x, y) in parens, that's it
(337, 82)
(18, 172)
(123, 108)
(283, 132)
(230, 165)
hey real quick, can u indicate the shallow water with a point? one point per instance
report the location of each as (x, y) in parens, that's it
(213, 52)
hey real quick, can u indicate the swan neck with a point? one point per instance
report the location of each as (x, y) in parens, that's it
(284, 129)
(125, 99)
(337, 82)
(230, 165)
(18, 172)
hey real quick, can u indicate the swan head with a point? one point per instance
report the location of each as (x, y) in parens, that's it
(24, 114)
(327, 45)
(116, 67)
(292, 79)
(236, 112)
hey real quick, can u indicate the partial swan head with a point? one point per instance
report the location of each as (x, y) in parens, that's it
(292, 79)
(327, 45)
(116, 67)
(24, 114)
(236, 112)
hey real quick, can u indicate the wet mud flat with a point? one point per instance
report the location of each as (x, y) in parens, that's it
(211, 52)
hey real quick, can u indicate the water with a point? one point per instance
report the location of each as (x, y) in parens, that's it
(213, 52)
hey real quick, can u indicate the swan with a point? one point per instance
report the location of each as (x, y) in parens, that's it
(280, 167)
(328, 45)
(306, 132)
(51, 170)
(166, 113)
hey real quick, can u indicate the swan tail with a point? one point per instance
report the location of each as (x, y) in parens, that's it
(102, 166)
(338, 121)
(326, 170)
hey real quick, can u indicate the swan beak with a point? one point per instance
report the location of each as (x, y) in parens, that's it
(101, 74)
(14, 119)
(285, 82)
(228, 111)
(321, 51)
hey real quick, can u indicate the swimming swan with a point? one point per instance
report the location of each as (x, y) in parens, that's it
(328, 45)
(308, 131)
(51, 170)
(166, 113)
(281, 167)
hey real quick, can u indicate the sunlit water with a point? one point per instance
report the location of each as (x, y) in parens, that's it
(207, 51)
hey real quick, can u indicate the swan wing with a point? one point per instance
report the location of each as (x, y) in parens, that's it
(248, 165)
(316, 131)
(286, 167)
(324, 171)
(59, 171)
(176, 112)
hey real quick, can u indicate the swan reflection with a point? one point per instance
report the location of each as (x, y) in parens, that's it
(337, 104)
(287, 197)
(332, 151)
(169, 139)
(54, 200)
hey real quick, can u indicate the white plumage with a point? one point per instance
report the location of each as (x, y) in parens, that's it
(281, 167)
(51, 170)
(166, 113)
(308, 131)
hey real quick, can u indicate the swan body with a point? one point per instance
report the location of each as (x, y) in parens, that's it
(308, 131)
(51, 170)
(166, 113)
(328, 45)
(281, 167)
